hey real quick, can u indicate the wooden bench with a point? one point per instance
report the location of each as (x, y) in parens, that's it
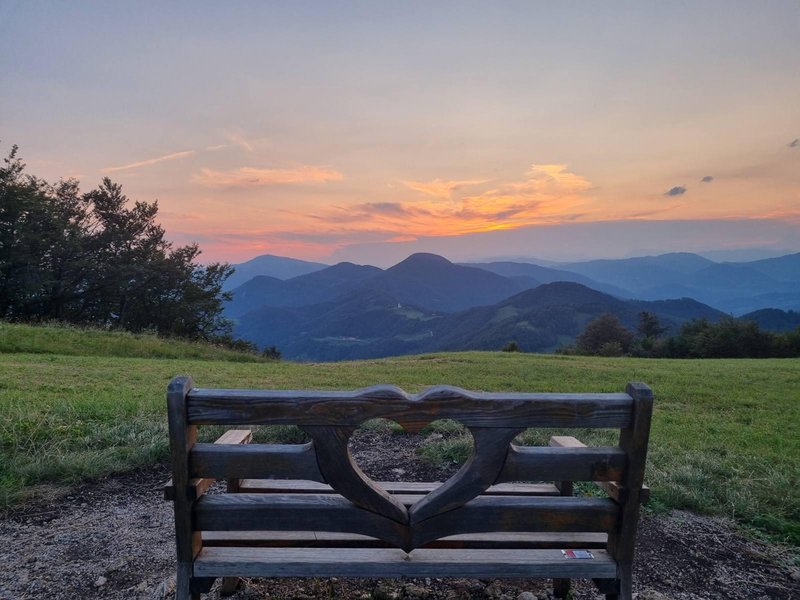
(306, 510)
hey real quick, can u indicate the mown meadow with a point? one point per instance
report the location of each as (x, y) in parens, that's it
(77, 405)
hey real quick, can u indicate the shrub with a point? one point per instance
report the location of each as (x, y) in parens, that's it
(605, 329)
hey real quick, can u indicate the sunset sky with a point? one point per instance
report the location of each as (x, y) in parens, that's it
(327, 130)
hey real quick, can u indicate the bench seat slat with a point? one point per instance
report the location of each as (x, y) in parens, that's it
(391, 562)
(296, 486)
(327, 539)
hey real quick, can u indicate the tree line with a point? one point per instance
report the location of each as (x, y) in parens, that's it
(94, 258)
(698, 338)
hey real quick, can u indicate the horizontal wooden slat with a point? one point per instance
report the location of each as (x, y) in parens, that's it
(389, 562)
(330, 512)
(543, 463)
(482, 409)
(520, 513)
(294, 486)
(612, 488)
(254, 461)
(199, 486)
(294, 512)
(327, 539)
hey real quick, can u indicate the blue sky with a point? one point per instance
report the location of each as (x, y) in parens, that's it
(310, 128)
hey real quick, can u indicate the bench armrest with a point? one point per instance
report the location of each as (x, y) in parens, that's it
(197, 487)
(612, 488)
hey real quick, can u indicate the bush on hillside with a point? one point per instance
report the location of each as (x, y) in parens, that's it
(605, 334)
(271, 353)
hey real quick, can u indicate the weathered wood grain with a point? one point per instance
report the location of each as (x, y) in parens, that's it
(339, 409)
(299, 512)
(346, 478)
(313, 562)
(515, 513)
(198, 487)
(296, 486)
(182, 436)
(612, 488)
(255, 461)
(543, 463)
(633, 440)
(328, 539)
(317, 514)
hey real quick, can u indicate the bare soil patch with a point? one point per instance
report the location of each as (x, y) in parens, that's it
(113, 539)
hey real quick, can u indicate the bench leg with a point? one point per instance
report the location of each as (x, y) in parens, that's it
(183, 582)
(561, 588)
(618, 589)
(626, 583)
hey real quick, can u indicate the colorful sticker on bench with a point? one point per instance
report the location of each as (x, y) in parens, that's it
(580, 554)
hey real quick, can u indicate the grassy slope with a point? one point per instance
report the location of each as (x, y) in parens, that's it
(75, 341)
(725, 440)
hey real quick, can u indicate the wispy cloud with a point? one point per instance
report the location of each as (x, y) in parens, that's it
(795, 143)
(245, 177)
(707, 179)
(237, 139)
(678, 190)
(149, 161)
(441, 188)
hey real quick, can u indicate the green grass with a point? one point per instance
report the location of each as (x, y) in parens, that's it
(725, 436)
(83, 341)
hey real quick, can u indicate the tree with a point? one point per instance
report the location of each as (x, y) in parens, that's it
(96, 258)
(605, 334)
(649, 326)
(511, 346)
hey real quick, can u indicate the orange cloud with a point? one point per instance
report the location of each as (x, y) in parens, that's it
(148, 162)
(441, 188)
(549, 193)
(245, 177)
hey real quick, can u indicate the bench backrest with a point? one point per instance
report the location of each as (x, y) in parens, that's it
(330, 418)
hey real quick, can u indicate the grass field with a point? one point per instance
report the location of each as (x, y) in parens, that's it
(725, 437)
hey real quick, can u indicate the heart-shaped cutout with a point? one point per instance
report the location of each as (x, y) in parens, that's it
(490, 446)
(385, 451)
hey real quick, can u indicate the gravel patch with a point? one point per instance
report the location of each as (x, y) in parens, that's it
(114, 539)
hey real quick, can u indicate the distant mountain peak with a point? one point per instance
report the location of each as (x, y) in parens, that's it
(424, 258)
(561, 293)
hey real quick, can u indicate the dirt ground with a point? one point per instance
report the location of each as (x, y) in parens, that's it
(114, 539)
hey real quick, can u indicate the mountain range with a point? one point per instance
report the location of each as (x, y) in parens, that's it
(426, 303)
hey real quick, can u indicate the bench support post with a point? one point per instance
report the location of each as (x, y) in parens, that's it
(182, 437)
(633, 440)
(561, 586)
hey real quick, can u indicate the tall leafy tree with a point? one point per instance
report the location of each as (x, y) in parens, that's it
(649, 326)
(97, 258)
